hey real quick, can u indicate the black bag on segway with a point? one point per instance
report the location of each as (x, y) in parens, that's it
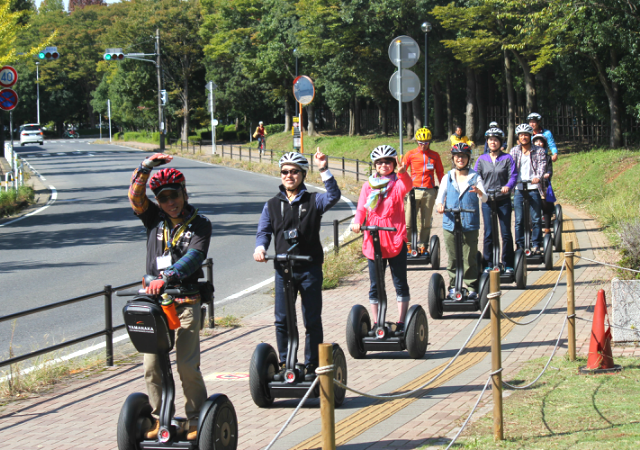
(206, 291)
(147, 326)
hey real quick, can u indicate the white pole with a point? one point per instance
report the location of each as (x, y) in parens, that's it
(400, 132)
(38, 93)
(100, 126)
(109, 111)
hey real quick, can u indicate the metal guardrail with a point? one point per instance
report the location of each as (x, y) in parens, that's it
(336, 235)
(108, 330)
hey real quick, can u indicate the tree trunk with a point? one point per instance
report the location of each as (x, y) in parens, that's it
(471, 105)
(287, 114)
(417, 115)
(511, 124)
(382, 119)
(482, 108)
(357, 117)
(437, 110)
(352, 117)
(613, 96)
(529, 83)
(408, 117)
(449, 107)
(311, 113)
(185, 110)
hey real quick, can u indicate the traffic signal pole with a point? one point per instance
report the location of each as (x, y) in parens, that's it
(160, 109)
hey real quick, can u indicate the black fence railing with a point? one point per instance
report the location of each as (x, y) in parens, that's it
(336, 234)
(108, 330)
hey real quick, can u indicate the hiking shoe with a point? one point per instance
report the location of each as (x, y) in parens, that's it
(192, 434)
(399, 329)
(488, 269)
(472, 296)
(310, 372)
(452, 292)
(279, 376)
(152, 434)
(508, 270)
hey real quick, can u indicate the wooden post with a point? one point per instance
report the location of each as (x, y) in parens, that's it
(496, 358)
(327, 412)
(571, 305)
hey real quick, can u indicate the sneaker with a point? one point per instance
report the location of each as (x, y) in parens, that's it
(408, 249)
(537, 251)
(472, 296)
(452, 292)
(192, 434)
(152, 434)
(488, 269)
(279, 376)
(310, 372)
(399, 328)
(508, 270)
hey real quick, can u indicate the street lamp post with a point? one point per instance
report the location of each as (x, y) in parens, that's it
(38, 93)
(425, 27)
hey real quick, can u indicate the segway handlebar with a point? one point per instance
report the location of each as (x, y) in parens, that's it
(133, 292)
(495, 194)
(375, 228)
(285, 257)
(458, 210)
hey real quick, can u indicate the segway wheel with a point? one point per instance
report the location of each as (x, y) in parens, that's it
(434, 246)
(219, 430)
(417, 333)
(557, 229)
(548, 252)
(521, 269)
(358, 325)
(264, 365)
(134, 420)
(436, 294)
(483, 294)
(340, 374)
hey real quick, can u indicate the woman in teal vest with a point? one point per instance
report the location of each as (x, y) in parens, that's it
(460, 188)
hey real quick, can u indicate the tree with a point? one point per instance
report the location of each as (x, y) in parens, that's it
(48, 6)
(79, 4)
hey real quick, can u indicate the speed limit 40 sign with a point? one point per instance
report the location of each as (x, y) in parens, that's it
(8, 76)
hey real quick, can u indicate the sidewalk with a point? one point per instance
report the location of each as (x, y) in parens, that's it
(82, 412)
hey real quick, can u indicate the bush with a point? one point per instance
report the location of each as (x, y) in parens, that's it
(12, 201)
(194, 139)
(275, 128)
(229, 135)
(243, 135)
(630, 248)
(116, 136)
(155, 137)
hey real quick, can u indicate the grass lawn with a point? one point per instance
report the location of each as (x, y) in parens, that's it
(566, 410)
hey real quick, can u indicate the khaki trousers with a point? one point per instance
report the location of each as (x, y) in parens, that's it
(425, 199)
(469, 258)
(187, 361)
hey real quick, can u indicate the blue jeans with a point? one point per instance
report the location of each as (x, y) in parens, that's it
(308, 282)
(535, 204)
(398, 266)
(504, 221)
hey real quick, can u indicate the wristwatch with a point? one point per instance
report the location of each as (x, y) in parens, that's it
(324, 169)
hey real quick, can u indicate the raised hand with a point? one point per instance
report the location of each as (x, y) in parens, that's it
(320, 159)
(157, 159)
(401, 166)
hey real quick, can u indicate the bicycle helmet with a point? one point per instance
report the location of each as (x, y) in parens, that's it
(383, 151)
(260, 123)
(534, 116)
(494, 125)
(423, 134)
(540, 136)
(295, 159)
(495, 132)
(524, 128)
(168, 178)
(461, 148)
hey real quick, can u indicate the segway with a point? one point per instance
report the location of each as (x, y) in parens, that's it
(385, 337)
(519, 276)
(547, 245)
(149, 332)
(440, 300)
(265, 382)
(418, 256)
(557, 229)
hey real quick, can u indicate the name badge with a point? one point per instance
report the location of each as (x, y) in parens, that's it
(429, 166)
(162, 262)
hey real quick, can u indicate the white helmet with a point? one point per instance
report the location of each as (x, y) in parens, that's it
(260, 123)
(493, 125)
(534, 116)
(495, 132)
(383, 151)
(295, 159)
(524, 128)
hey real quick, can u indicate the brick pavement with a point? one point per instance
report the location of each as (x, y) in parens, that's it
(82, 411)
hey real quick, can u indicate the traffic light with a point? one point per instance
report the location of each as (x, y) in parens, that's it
(113, 54)
(49, 53)
(163, 97)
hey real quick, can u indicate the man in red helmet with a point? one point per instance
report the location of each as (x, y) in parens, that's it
(177, 244)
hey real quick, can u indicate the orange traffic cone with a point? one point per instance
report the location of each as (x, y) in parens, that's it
(600, 357)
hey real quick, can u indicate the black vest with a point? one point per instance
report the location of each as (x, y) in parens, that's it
(302, 216)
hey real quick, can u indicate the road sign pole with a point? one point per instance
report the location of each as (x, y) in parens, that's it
(213, 128)
(11, 127)
(158, 73)
(301, 143)
(400, 131)
(38, 93)
(109, 112)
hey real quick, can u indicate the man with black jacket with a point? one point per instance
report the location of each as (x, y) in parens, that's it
(294, 216)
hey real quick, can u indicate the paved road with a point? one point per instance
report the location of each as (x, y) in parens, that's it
(89, 237)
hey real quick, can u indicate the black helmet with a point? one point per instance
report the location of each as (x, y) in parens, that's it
(461, 148)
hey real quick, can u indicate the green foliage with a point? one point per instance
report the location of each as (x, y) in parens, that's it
(12, 201)
(142, 136)
(274, 128)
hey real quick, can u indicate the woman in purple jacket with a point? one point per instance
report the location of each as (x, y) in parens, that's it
(498, 172)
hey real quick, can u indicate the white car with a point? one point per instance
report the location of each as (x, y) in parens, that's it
(31, 132)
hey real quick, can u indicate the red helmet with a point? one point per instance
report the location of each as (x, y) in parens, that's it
(168, 178)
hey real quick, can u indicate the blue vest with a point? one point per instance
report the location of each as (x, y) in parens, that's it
(468, 200)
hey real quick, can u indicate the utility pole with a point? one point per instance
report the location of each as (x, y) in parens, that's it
(160, 109)
(212, 109)
(38, 93)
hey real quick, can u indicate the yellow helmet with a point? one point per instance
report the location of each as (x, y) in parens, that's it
(423, 134)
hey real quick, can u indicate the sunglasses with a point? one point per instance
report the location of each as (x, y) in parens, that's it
(384, 161)
(423, 142)
(292, 172)
(165, 198)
